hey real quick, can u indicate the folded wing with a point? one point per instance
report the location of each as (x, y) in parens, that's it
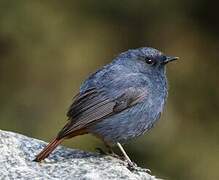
(93, 105)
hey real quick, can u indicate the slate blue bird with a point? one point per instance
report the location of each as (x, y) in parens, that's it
(120, 101)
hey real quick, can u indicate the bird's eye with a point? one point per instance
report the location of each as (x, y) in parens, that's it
(149, 61)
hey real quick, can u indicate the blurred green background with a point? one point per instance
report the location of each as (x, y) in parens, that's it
(48, 47)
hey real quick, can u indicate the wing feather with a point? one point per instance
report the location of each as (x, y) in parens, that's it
(93, 105)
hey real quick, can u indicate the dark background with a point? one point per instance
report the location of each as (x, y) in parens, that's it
(47, 48)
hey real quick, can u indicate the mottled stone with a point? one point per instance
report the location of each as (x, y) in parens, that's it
(16, 162)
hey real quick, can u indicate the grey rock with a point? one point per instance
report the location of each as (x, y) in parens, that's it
(18, 151)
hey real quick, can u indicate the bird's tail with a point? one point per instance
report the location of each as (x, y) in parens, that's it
(48, 149)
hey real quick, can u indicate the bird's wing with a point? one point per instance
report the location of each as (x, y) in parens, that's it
(94, 105)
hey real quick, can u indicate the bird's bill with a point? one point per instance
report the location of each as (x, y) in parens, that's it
(169, 59)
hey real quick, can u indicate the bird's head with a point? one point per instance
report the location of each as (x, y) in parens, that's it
(147, 57)
(153, 57)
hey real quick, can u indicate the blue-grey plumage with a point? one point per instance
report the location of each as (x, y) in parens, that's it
(130, 71)
(120, 101)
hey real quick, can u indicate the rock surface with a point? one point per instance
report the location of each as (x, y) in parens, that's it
(18, 151)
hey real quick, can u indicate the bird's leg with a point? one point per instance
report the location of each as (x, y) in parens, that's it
(109, 151)
(125, 155)
(131, 165)
(109, 148)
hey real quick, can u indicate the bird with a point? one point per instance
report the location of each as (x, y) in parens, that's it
(119, 102)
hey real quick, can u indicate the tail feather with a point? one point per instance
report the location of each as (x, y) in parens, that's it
(48, 149)
(58, 140)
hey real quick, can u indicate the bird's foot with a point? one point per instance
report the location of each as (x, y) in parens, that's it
(130, 165)
(115, 155)
(108, 153)
(133, 167)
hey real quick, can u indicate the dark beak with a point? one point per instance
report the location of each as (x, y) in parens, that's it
(169, 59)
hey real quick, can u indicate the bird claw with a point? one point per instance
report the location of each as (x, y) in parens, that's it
(133, 167)
(109, 153)
(130, 165)
(116, 156)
